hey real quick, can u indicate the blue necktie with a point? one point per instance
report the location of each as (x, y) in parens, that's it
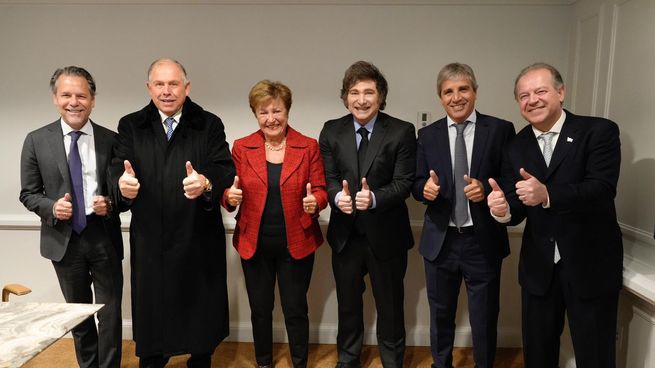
(169, 127)
(75, 169)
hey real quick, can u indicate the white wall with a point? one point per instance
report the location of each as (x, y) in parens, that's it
(227, 47)
(611, 61)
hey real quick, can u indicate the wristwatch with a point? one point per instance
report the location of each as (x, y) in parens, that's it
(208, 185)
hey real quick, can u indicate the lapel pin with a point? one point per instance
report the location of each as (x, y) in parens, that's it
(569, 139)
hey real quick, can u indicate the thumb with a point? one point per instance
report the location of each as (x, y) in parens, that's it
(524, 174)
(236, 182)
(189, 168)
(128, 168)
(67, 197)
(364, 184)
(309, 189)
(346, 191)
(494, 186)
(434, 177)
(468, 179)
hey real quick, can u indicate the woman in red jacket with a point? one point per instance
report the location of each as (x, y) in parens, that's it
(280, 189)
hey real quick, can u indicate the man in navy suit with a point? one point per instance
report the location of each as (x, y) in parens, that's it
(467, 245)
(369, 161)
(80, 233)
(563, 170)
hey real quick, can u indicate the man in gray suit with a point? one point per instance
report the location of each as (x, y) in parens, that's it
(64, 181)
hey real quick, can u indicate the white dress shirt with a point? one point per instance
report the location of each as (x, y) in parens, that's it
(87, 148)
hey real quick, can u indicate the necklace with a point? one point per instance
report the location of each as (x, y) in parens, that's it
(279, 147)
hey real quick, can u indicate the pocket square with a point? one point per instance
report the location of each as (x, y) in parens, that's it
(569, 139)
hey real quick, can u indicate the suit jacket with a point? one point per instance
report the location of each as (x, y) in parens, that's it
(302, 165)
(581, 181)
(433, 153)
(389, 168)
(179, 291)
(45, 178)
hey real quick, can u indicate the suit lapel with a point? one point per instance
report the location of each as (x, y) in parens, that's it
(293, 156)
(533, 161)
(56, 143)
(377, 139)
(256, 158)
(102, 144)
(440, 152)
(346, 137)
(566, 139)
(479, 145)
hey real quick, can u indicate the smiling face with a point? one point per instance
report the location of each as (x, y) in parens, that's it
(168, 87)
(73, 99)
(457, 98)
(363, 101)
(272, 117)
(539, 100)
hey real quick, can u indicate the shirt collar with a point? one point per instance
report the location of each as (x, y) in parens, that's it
(177, 116)
(472, 119)
(368, 126)
(66, 129)
(557, 128)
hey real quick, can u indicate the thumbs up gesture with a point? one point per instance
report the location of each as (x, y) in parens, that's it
(496, 200)
(309, 203)
(431, 187)
(234, 193)
(63, 207)
(363, 198)
(194, 183)
(345, 202)
(530, 190)
(128, 183)
(474, 190)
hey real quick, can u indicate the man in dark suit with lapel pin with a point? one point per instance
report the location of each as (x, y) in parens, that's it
(369, 161)
(564, 170)
(451, 173)
(64, 181)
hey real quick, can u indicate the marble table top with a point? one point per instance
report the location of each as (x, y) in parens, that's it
(26, 329)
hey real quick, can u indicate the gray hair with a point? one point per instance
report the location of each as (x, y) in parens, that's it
(455, 71)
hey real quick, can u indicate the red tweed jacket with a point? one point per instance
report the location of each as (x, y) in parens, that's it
(302, 164)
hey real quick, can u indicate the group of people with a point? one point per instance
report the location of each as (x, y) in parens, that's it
(171, 166)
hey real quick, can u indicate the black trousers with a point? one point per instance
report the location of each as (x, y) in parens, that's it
(592, 323)
(461, 257)
(91, 258)
(270, 262)
(350, 266)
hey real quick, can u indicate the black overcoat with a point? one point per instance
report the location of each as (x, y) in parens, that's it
(177, 245)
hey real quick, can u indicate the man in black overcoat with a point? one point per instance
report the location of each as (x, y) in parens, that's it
(174, 163)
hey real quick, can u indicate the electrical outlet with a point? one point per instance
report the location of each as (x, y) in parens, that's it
(423, 118)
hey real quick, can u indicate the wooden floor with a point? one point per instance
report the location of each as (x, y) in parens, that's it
(241, 355)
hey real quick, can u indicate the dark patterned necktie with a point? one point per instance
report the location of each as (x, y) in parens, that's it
(75, 169)
(361, 152)
(169, 127)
